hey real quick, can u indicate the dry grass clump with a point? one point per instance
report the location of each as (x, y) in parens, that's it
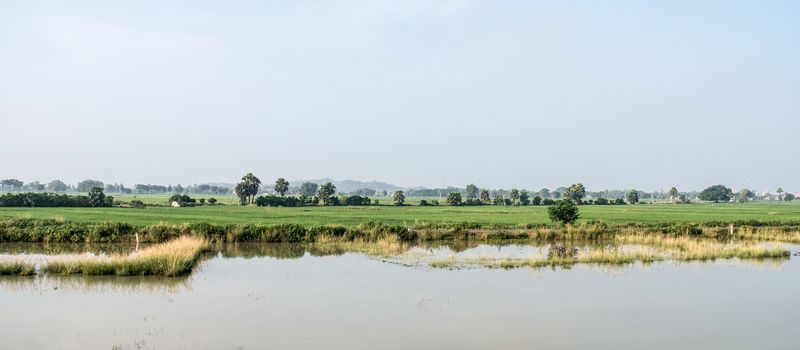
(768, 234)
(688, 248)
(20, 268)
(387, 247)
(173, 258)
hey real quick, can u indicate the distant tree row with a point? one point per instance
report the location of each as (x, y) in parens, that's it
(95, 198)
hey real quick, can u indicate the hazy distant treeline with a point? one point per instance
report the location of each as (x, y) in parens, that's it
(58, 186)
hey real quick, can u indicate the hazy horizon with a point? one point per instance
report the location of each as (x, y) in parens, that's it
(615, 95)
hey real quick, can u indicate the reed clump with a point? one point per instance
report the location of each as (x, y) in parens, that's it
(689, 248)
(20, 268)
(173, 258)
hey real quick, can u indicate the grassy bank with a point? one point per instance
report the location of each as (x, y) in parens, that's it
(57, 230)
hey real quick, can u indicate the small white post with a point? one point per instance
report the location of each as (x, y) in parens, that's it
(137, 241)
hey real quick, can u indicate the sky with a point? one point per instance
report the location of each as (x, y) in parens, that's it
(528, 94)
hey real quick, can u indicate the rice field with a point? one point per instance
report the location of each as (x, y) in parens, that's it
(647, 214)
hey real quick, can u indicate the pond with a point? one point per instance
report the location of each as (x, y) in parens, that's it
(289, 296)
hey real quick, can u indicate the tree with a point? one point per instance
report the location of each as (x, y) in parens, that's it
(780, 193)
(789, 197)
(632, 196)
(499, 200)
(536, 200)
(212, 201)
(524, 198)
(308, 189)
(399, 197)
(86, 185)
(485, 199)
(56, 186)
(454, 199)
(35, 186)
(544, 193)
(745, 195)
(471, 192)
(326, 193)
(574, 192)
(673, 194)
(281, 186)
(514, 196)
(564, 212)
(178, 189)
(96, 197)
(716, 194)
(13, 184)
(247, 189)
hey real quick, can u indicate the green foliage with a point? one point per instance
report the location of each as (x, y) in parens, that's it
(536, 200)
(716, 193)
(632, 196)
(564, 212)
(471, 192)
(454, 199)
(48, 200)
(524, 198)
(574, 192)
(308, 189)
(87, 185)
(745, 195)
(56, 186)
(326, 194)
(399, 197)
(499, 200)
(275, 201)
(485, 199)
(673, 194)
(281, 186)
(182, 200)
(247, 189)
(354, 200)
(514, 196)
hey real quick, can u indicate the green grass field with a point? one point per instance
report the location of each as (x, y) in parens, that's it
(410, 215)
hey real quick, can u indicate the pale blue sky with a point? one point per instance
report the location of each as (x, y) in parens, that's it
(529, 94)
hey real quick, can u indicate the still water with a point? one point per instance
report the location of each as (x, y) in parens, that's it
(305, 297)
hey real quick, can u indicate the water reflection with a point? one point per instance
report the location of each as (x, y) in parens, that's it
(41, 284)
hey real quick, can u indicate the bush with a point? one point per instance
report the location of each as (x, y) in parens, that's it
(137, 204)
(182, 200)
(275, 201)
(565, 212)
(355, 200)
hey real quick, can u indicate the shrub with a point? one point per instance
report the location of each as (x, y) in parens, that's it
(565, 212)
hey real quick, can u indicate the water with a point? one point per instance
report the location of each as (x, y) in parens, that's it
(283, 297)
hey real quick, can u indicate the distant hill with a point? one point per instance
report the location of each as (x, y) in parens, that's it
(344, 186)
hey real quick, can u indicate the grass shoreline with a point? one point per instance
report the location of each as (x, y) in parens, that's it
(59, 230)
